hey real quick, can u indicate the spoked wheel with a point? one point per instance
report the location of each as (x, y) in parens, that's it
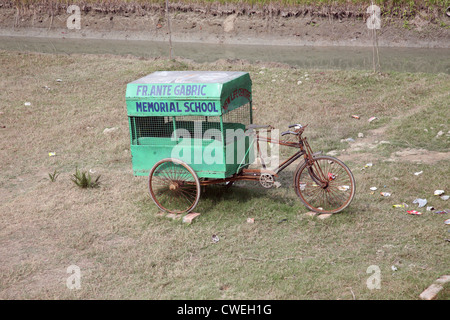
(328, 186)
(174, 186)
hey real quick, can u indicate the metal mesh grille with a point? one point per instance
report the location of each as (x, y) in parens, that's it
(145, 130)
(240, 115)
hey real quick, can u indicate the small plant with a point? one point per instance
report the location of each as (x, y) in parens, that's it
(53, 176)
(84, 179)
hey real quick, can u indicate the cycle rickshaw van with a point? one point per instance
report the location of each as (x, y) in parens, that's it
(192, 129)
(197, 117)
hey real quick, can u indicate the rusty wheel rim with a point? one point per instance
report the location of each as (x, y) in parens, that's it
(174, 186)
(328, 186)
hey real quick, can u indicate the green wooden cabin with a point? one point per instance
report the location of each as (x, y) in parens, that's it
(199, 117)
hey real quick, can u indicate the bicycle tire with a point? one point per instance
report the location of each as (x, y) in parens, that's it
(327, 186)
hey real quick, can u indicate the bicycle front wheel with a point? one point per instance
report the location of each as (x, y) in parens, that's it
(327, 186)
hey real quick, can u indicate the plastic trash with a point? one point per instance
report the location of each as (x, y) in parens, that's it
(27, 104)
(58, 80)
(447, 221)
(445, 197)
(372, 119)
(430, 208)
(385, 194)
(403, 205)
(215, 238)
(420, 202)
(355, 117)
(343, 188)
(394, 268)
(439, 192)
(373, 188)
(368, 165)
(52, 154)
(442, 211)
(250, 220)
(418, 173)
(414, 212)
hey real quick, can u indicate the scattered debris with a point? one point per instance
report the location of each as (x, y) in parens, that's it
(52, 154)
(372, 119)
(414, 212)
(250, 220)
(355, 117)
(394, 268)
(190, 216)
(27, 104)
(215, 238)
(58, 80)
(385, 194)
(343, 188)
(430, 208)
(420, 202)
(445, 198)
(447, 221)
(360, 135)
(443, 211)
(368, 165)
(324, 216)
(173, 216)
(438, 192)
(282, 220)
(373, 188)
(110, 130)
(432, 291)
(418, 173)
(403, 205)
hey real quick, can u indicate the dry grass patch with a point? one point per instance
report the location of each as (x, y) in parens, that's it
(124, 250)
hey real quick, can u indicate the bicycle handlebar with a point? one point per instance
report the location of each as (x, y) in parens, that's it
(289, 132)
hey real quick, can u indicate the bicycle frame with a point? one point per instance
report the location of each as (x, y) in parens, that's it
(254, 174)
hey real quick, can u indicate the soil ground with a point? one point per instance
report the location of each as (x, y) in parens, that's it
(230, 27)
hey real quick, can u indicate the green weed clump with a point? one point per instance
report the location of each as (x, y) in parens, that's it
(84, 179)
(53, 176)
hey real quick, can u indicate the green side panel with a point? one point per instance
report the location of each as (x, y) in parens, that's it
(199, 154)
(236, 93)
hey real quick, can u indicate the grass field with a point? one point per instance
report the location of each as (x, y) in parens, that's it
(125, 250)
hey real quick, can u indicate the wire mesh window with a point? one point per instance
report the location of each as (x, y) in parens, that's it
(150, 130)
(240, 115)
